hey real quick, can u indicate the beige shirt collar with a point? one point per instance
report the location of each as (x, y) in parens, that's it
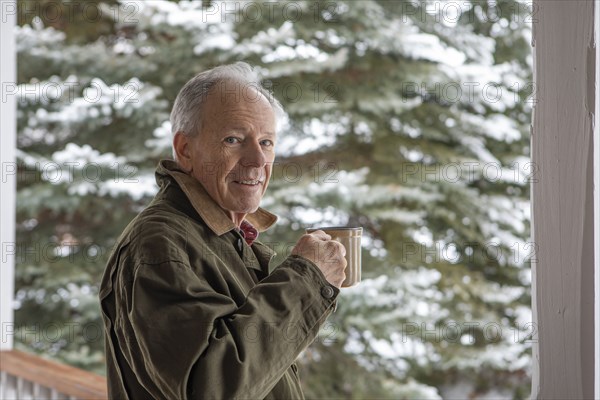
(210, 212)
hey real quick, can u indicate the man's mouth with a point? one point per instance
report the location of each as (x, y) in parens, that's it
(249, 182)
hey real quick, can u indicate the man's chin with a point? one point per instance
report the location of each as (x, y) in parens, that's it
(247, 208)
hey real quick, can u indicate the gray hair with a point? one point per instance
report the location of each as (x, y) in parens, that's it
(186, 113)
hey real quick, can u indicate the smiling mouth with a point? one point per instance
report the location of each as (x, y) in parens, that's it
(249, 182)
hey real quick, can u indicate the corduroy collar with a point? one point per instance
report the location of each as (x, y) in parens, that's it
(210, 212)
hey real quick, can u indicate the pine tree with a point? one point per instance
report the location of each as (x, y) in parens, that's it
(409, 119)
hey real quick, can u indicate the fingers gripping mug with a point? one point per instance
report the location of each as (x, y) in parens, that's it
(350, 238)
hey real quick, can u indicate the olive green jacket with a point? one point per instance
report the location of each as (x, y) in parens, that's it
(191, 311)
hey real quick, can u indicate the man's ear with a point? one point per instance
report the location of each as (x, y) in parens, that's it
(183, 148)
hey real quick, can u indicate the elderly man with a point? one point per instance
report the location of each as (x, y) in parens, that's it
(189, 306)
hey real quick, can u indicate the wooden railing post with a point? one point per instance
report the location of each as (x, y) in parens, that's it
(563, 200)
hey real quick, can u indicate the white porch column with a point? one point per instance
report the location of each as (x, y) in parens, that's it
(563, 200)
(8, 177)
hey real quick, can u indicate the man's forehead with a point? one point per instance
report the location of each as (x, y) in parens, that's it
(245, 126)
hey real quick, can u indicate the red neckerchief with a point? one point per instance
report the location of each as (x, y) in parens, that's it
(248, 232)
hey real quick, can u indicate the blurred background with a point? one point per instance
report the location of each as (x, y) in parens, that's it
(408, 118)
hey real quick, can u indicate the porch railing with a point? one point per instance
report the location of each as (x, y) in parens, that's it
(27, 376)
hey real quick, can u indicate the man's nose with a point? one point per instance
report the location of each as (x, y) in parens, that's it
(253, 155)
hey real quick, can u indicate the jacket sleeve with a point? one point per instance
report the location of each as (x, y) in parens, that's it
(185, 340)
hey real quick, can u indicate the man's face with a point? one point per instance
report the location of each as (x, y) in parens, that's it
(233, 154)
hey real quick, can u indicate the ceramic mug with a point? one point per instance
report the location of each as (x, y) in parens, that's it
(350, 238)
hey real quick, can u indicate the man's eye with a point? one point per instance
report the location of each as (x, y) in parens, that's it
(266, 142)
(231, 140)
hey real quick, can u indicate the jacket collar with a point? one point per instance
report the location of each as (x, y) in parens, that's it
(210, 212)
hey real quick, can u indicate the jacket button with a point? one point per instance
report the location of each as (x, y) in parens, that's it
(240, 244)
(327, 292)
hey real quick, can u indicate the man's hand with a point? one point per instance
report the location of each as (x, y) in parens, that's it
(327, 254)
